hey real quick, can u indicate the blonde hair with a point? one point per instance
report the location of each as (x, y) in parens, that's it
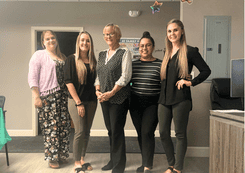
(116, 29)
(182, 55)
(57, 49)
(80, 66)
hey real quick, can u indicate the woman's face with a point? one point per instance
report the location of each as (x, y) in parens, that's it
(174, 33)
(146, 48)
(110, 36)
(84, 43)
(49, 41)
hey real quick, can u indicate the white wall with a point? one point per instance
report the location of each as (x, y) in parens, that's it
(16, 19)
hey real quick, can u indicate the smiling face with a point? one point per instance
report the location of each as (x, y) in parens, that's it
(146, 48)
(110, 36)
(49, 41)
(174, 33)
(84, 43)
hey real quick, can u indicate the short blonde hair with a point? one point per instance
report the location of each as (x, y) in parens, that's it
(115, 28)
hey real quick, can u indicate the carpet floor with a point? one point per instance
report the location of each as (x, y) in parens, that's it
(96, 145)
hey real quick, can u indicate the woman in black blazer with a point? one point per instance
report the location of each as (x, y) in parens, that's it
(175, 98)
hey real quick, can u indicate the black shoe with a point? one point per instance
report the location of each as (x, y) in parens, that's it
(140, 169)
(107, 167)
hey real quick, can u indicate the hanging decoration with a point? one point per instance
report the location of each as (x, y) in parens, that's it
(156, 7)
(187, 1)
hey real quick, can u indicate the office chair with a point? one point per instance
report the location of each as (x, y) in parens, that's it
(220, 95)
(2, 101)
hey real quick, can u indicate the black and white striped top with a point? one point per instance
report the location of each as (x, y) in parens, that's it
(146, 77)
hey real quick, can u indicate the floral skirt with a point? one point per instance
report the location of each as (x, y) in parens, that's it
(54, 120)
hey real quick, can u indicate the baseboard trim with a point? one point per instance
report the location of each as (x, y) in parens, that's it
(20, 133)
(197, 152)
(128, 133)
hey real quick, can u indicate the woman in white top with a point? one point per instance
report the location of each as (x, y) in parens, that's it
(114, 71)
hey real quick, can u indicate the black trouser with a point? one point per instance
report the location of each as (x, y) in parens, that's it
(180, 114)
(115, 119)
(143, 110)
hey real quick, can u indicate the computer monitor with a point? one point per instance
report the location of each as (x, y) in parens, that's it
(237, 78)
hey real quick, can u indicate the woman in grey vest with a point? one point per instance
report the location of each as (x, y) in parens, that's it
(114, 72)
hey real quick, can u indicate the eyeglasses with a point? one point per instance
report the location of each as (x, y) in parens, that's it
(109, 35)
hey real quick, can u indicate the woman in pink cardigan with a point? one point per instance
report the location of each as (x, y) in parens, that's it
(49, 91)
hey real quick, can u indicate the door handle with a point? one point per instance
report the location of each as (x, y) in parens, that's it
(219, 48)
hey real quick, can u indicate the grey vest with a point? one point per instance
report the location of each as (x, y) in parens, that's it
(110, 73)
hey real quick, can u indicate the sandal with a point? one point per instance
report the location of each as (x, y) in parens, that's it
(174, 171)
(87, 166)
(171, 169)
(53, 164)
(79, 170)
(140, 169)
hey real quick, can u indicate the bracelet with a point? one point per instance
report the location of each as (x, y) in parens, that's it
(79, 104)
(98, 90)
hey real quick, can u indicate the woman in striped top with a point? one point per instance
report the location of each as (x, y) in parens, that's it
(145, 90)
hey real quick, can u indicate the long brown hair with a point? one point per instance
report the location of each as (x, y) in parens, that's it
(80, 66)
(57, 49)
(182, 55)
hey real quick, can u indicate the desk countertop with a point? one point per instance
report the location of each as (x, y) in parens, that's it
(229, 114)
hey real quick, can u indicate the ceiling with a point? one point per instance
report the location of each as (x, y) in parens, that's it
(97, 0)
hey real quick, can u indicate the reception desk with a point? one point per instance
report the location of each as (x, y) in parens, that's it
(226, 142)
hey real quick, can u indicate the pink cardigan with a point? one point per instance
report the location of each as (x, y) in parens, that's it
(42, 73)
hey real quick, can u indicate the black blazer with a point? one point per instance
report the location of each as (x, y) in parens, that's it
(85, 92)
(170, 94)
